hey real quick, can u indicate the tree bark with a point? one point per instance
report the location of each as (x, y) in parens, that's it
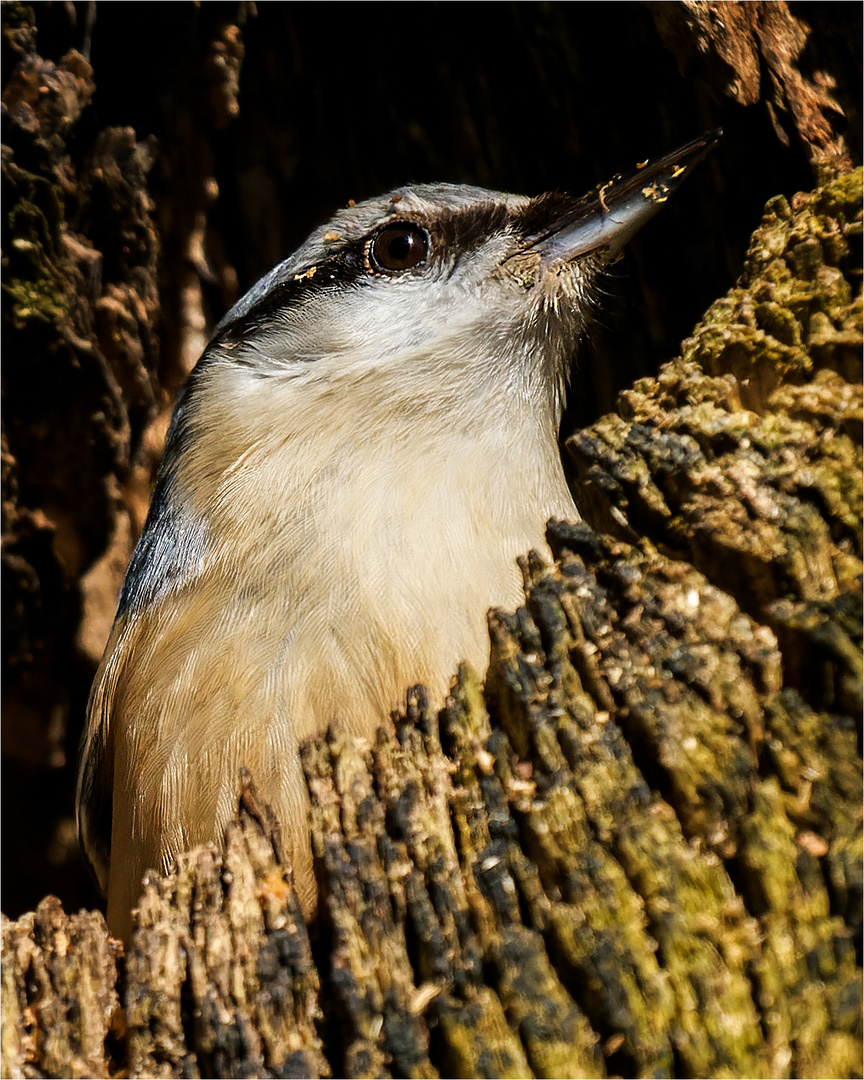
(637, 849)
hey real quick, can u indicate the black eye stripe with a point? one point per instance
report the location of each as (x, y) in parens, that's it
(390, 250)
(398, 246)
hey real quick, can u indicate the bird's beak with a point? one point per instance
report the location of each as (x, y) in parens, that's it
(605, 219)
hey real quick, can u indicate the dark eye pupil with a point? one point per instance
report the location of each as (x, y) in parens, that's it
(399, 247)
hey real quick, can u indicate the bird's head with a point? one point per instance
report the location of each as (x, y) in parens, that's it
(437, 281)
(437, 319)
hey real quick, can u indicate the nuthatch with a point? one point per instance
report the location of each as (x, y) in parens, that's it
(365, 447)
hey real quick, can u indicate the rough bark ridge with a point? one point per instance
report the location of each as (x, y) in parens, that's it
(737, 49)
(639, 851)
(80, 305)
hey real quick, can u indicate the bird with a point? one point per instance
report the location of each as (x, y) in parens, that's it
(366, 446)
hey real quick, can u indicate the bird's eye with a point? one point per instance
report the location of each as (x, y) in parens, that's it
(399, 246)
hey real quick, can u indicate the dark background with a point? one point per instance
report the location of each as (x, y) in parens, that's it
(256, 124)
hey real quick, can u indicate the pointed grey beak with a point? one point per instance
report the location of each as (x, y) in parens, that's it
(606, 218)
